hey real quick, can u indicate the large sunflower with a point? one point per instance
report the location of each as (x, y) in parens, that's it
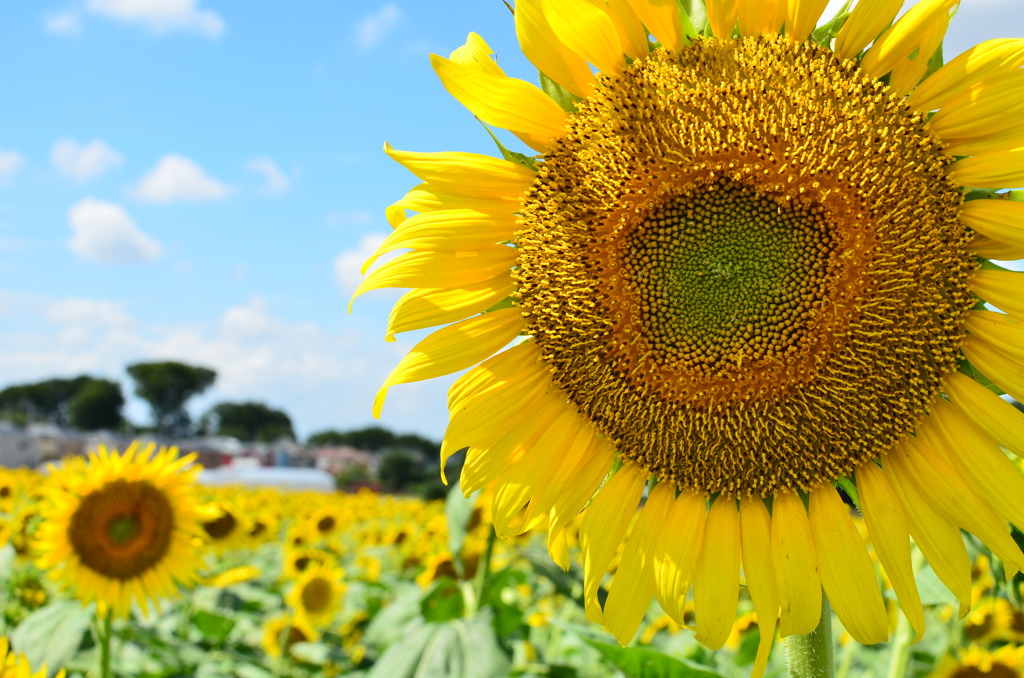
(745, 266)
(119, 529)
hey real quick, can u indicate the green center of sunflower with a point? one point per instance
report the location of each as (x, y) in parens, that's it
(122, 529)
(719, 269)
(744, 263)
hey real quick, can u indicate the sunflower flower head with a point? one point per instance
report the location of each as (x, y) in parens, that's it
(742, 266)
(16, 666)
(317, 593)
(119, 530)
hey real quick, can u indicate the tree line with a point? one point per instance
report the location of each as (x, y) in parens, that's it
(91, 403)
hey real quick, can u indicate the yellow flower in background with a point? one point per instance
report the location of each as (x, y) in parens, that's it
(1005, 662)
(119, 529)
(235, 575)
(16, 666)
(285, 630)
(317, 594)
(741, 269)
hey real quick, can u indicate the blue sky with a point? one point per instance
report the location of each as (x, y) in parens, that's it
(199, 180)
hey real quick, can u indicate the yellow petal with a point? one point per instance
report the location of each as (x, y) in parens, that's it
(445, 231)
(663, 20)
(846, 572)
(939, 482)
(682, 536)
(421, 308)
(509, 103)
(981, 109)
(756, 543)
(722, 15)
(545, 51)
(907, 73)
(992, 140)
(978, 460)
(803, 17)
(890, 534)
(522, 361)
(796, 566)
(466, 174)
(1002, 220)
(866, 21)
(604, 524)
(587, 31)
(631, 590)
(984, 246)
(593, 466)
(631, 31)
(904, 37)
(996, 347)
(493, 412)
(571, 468)
(454, 348)
(938, 538)
(521, 481)
(1001, 169)
(477, 53)
(716, 579)
(759, 18)
(995, 416)
(988, 59)
(1003, 289)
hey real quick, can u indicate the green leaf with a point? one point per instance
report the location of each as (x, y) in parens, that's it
(444, 602)
(214, 626)
(511, 156)
(52, 634)
(830, 29)
(563, 97)
(396, 619)
(935, 62)
(458, 510)
(970, 370)
(747, 652)
(460, 649)
(695, 17)
(933, 592)
(642, 662)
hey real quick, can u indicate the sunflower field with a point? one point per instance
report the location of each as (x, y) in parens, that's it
(120, 565)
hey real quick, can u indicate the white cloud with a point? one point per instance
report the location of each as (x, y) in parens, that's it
(161, 16)
(63, 23)
(322, 377)
(375, 27)
(176, 178)
(11, 163)
(83, 162)
(105, 234)
(348, 263)
(275, 182)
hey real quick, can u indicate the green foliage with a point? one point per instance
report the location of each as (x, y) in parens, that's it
(52, 635)
(47, 400)
(461, 648)
(248, 421)
(97, 405)
(167, 386)
(398, 470)
(641, 662)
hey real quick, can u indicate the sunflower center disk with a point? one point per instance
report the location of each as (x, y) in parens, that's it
(122, 529)
(718, 270)
(745, 265)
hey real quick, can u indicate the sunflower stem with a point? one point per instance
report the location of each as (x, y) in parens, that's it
(103, 631)
(900, 659)
(810, 656)
(484, 569)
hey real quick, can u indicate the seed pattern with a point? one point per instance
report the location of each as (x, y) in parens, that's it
(745, 264)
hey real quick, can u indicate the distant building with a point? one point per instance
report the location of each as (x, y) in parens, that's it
(338, 459)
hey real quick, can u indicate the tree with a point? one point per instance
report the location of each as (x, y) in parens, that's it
(398, 469)
(370, 439)
(167, 386)
(97, 405)
(46, 400)
(251, 422)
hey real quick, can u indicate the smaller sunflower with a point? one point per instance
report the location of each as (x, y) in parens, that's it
(285, 630)
(974, 662)
(298, 560)
(16, 666)
(223, 527)
(317, 594)
(325, 522)
(119, 530)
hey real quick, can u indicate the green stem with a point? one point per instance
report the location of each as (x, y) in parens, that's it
(483, 571)
(900, 658)
(810, 656)
(103, 631)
